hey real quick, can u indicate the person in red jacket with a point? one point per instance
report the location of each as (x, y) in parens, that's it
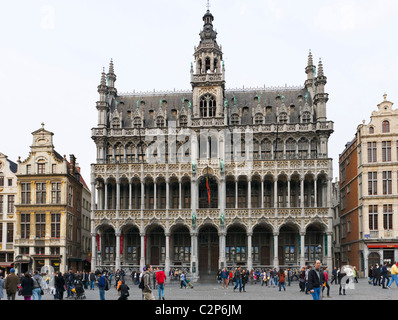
(161, 281)
(325, 283)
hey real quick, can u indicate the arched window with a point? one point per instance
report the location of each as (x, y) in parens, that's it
(371, 130)
(207, 106)
(386, 126)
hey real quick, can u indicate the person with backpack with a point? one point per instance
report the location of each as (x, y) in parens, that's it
(102, 284)
(146, 284)
(123, 290)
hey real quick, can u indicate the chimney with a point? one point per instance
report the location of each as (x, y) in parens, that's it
(72, 162)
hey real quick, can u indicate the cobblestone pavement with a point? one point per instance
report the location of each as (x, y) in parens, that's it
(214, 291)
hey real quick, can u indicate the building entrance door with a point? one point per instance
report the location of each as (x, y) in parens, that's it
(208, 251)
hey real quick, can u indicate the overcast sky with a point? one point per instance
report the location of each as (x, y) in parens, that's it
(52, 54)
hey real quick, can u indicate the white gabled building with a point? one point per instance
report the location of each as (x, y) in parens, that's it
(8, 192)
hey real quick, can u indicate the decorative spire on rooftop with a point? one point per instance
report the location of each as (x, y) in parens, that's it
(320, 68)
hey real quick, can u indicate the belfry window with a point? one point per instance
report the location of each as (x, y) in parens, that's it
(207, 106)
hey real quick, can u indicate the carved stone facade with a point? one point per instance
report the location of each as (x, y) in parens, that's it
(212, 177)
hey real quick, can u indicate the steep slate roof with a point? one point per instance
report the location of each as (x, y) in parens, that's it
(237, 100)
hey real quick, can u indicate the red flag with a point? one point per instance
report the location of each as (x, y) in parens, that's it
(208, 189)
(121, 243)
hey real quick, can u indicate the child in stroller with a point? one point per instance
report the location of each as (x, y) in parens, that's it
(79, 290)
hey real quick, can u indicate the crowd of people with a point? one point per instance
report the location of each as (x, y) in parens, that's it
(311, 280)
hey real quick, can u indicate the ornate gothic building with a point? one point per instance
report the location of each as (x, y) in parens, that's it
(212, 177)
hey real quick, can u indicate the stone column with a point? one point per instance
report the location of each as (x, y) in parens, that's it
(194, 254)
(179, 195)
(236, 192)
(117, 262)
(93, 191)
(276, 259)
(329, 256)
(93, 250)
(167, 194)
(143, 253)
(302, 254)
(315, 193)
(221, 260)
(155, 198)
(262, 192)
(249, 251)
(118, 195)
(106, 196)
(288, 193)
(130, 194)
(167, 262)
(249, 193)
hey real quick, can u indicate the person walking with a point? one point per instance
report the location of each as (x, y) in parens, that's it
(123, 290)
(302, 280)
(245, 279)
(27, 287)
(355, 274)
(224, 278)
(275, 277)
(281, 279)
(289, 276)
(101, 285)
(384, 275)
(325, 282)
(342, 278)
(161, 281)
(306, 279)
(11, 284)
(59, 283)
(182, 278)
(147, 289)
(370, 275)
(315, 280)
(2, 284)
(91, 279)
(37, 281)
(394, 275)
(70, 278)
(334, 275)
(238, 279)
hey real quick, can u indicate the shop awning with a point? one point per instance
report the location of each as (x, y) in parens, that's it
(6, 264)
(382, 245)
